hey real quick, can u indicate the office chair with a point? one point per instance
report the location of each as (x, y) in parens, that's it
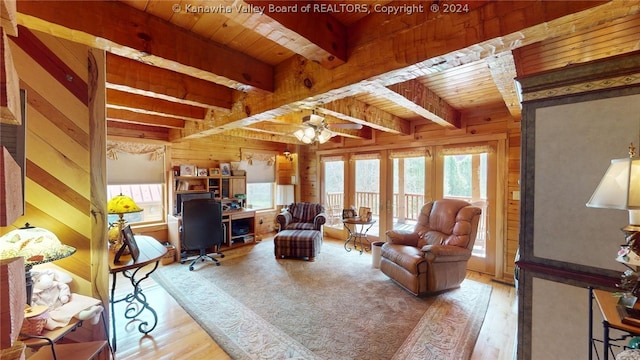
(202, 230)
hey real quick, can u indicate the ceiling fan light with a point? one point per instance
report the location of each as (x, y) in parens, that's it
(324, 136)
(316, 119)
(299, 134)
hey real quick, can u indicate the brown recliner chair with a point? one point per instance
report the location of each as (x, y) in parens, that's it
(434, 256)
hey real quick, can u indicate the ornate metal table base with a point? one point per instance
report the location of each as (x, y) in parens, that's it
(356, 236)
(136, 302)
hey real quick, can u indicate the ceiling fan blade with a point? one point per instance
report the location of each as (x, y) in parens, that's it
(346, 126)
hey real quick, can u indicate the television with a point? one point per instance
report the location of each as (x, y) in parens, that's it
(181, 198)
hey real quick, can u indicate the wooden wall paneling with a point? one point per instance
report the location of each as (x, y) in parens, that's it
(58, 170)
(612, 38)
(265, 223)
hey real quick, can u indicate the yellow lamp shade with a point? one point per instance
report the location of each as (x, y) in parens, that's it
(122, 204)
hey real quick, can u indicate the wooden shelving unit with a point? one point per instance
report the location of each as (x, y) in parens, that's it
(239, 222)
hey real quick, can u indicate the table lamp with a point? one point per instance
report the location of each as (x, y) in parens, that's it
(120, 205)
(284, 195)
(37, 246)
(620, 189)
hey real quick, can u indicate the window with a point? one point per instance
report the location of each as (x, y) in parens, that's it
(260, 195)
(137, 170)
(261, 178)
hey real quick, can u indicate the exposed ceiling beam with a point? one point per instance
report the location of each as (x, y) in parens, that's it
(503, 71)
(358, 112)
(407, 54)
(126, 31)
(128, 130)
(128, 116)
(139, 78)
(414, 96)
(314, 34)
(149, 105)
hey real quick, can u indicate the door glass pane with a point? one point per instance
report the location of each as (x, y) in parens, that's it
(334, 192)
(465, 178)
(408, 191)
(367, 181)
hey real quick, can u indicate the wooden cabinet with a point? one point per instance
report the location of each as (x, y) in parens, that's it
(222, 187)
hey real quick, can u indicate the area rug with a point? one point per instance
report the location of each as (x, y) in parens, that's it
(338, 307)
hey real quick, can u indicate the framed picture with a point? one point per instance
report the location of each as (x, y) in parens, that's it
(363, 213)
(202, 172)
(187, 170)
(214, 171)
(348, 213)
(225, 169)
(130, 242)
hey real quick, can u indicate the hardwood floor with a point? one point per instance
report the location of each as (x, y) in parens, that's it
(178, 336)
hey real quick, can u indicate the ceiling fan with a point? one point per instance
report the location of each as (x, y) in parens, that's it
(317, 130)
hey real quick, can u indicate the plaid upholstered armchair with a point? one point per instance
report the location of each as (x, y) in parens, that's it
(302, 216)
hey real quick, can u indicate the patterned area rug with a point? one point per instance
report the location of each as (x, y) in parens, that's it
(338, 307)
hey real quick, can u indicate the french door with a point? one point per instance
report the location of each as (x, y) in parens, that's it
(469, 173)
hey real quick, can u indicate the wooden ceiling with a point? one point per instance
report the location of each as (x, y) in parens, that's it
(186, 69)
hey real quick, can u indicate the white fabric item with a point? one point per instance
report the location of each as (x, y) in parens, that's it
(61, 316)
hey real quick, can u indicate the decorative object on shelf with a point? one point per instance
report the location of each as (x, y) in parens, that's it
(187, 170)
(288, 155)
(225, 169)
(120, 205)
(202, 172)
(629, 287)
(284, 196)
(214, 171)
(37, 246)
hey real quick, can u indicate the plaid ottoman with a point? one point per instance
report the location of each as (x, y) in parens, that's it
(298, 243)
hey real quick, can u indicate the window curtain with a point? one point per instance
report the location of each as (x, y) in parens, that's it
(365, 156)
(467, 150)
(134, 163)
(409, 153)
(259, 166)
(332, 158)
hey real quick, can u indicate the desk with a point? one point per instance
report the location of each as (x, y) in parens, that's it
(231, 220)
(151, 251)
(611, 319)
(356, 236)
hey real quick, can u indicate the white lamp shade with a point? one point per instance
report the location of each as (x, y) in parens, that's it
(620, 186)
(284, 194)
